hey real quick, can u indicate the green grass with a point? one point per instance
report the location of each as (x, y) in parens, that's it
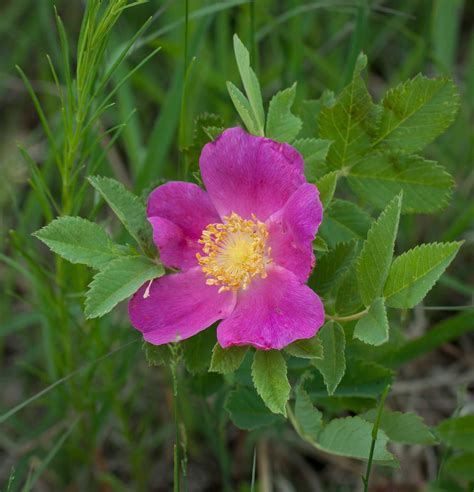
(79, 407)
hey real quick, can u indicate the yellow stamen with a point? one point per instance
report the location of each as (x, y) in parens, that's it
(235, 252)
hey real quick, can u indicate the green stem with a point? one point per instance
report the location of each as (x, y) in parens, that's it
(253, 51)
(375, 430)
(352, 317)
(182, 118)
(175, 469)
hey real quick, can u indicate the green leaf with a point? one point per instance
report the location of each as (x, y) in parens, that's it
(251, 84)
(458, 432)
(349, 122)
(157, 355)
(206, 127)
(128, 208)
(282, 124)
(213, 131)
(309, 418)
(247, 410)
(327, 186)
(415, 272)
(310, 348)
(376, 255)
(319, 244)
(309, 111)
(119, 280)
(79, 241)
(343, 221)
(362, 379)
(227, 360)
(417, 111)
(347, 297)
(407, 428)
(460, 466)
(333, 365)
(352, 436)
(314, 152)
(331, 267)
(378, 178)
(243, 108)
(270, 379)
(197, 351)
(373, 327)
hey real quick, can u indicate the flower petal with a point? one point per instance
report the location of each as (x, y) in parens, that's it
(186, 210)
(292, 229)
(178, 306)
(176, 250)
(272, 313)
(250, 175)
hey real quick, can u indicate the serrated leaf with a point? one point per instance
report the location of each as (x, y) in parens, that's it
(78, 240)
(309, 112)
(373, 327)
(247, 410)
(270, 379)
(343, 221)
(349, 123)
(347, 297)
(157, 355)
(378, 178)
(310, 348)
(243, 108)
(376, 255)
(227, 360)
(309, 418)
(352, 436)
(407, 428)
(197, 351)
(331, 267)
(417, 111)
(415, 272)
(362, 379)
(333, 365)
(327, 186)
(282, 124)
(251, 84)
(213, 131)
(319, 244)
(207, 126)
(314, 152)
(128, 208)
(119, 280)
(458, 432)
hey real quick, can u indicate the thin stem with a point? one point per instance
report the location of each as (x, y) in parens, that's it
(174, 378)
(352, 317)
(182, 118)
(375, 430)
(254, 463)
(264, 471)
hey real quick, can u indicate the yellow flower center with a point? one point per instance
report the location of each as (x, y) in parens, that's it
(234, 252)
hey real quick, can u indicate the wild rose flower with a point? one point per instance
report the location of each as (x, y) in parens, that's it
(244, 249)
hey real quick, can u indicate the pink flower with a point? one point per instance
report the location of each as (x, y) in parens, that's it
(243, 247)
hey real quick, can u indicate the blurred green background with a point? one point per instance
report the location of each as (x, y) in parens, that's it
(106, 423)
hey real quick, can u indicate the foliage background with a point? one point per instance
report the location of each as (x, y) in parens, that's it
(119, 411)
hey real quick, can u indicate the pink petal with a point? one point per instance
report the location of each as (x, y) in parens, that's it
(250, 175)
(178, 306)
(272, 313)
(178, 213)
(291, 231)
